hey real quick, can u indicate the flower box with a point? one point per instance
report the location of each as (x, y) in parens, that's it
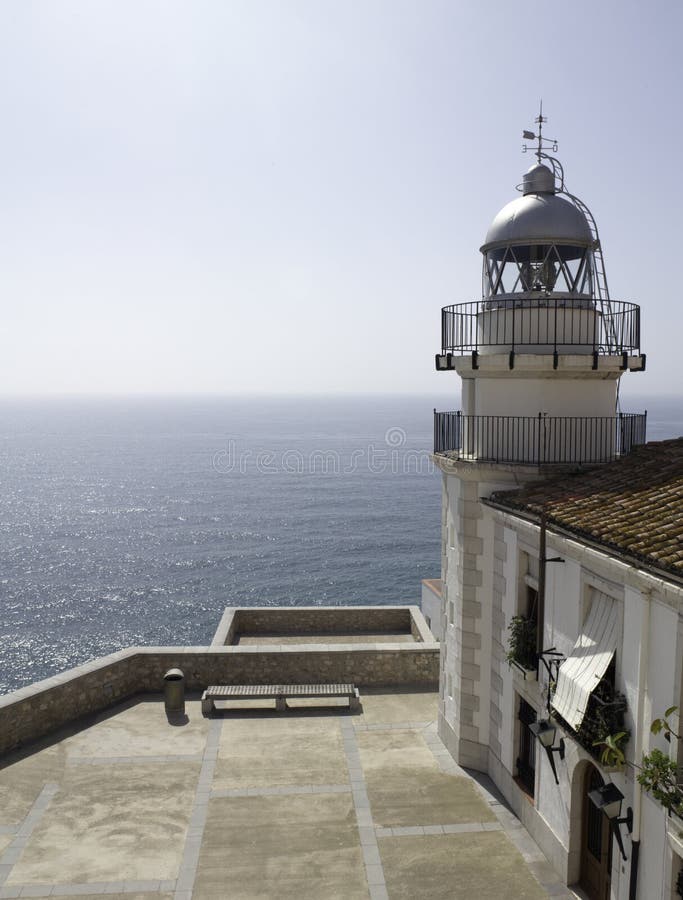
(525, 674)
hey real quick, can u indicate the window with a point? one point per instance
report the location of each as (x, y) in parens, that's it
(586, 678)
(530, 602)
(526, 762)
(534, 612)
(532, 268)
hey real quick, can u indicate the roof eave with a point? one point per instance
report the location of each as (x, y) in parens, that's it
(633, 559)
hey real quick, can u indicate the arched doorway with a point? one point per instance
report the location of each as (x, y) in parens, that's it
(596, 842)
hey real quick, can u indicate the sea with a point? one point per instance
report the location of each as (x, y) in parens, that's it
(137, 520)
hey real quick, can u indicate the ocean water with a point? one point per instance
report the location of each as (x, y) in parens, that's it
(137, 520)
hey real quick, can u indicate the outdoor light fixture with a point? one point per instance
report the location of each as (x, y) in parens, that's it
(609, 798)
(545, 732)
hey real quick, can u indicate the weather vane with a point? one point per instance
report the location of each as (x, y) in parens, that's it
(550, 144)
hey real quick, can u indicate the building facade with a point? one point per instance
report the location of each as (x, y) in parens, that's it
(558, 613)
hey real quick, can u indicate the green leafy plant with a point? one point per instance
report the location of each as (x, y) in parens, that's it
(659, 774)
(612, 753)
(522, 642)
(664, 725)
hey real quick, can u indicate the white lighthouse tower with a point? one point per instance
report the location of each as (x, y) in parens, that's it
(540, 356)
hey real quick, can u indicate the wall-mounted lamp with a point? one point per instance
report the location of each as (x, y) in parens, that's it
(608, 798)
(545, 732)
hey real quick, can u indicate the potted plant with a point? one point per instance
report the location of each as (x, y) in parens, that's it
(612, 754)
(602, 732)
(660, 776)
(522, 646)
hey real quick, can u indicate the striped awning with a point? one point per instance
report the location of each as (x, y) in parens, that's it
(580, 673)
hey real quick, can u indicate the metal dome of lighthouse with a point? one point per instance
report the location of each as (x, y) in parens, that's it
(541, 242)
(539, 215)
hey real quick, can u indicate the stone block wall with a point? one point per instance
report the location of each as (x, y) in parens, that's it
(499, 665)
(321, 620)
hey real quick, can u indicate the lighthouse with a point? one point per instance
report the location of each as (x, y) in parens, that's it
(540, 357)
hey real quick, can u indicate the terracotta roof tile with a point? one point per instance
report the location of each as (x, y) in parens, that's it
(633, 505)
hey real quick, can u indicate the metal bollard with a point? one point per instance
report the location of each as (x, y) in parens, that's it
(174, 691)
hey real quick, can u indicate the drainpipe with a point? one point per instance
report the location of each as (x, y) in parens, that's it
(541, 570)
(643, 657)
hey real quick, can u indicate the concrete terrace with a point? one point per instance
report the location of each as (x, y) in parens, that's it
(312, 803)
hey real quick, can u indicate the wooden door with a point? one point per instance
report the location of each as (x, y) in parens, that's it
(596, 843)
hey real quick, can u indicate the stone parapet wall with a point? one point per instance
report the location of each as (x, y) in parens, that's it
(320, 620)
(32, 712)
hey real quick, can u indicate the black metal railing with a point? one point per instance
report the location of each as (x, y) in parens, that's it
(538, 440)
(555, 323)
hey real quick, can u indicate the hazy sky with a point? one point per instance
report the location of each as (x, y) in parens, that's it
(279, 196)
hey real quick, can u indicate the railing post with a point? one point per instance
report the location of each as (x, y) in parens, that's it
(595, 328)
(538, 440)
(555, 337)
(514, 317)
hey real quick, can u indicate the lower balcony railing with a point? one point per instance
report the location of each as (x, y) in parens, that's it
(538, 440)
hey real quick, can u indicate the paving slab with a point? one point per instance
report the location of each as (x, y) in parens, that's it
(141, 729)
(281, 846)
(280, 750)
(23, 777)
(406, 797)
(386, 750)
(5, 841)
(388, 708)
(111, 823)
(406, 787)
(143, 896)
(456, 867)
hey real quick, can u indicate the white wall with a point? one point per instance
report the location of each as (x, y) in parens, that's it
(430, 604)
(450, 576)
(529, 396)
(509, 711)
(662, 690)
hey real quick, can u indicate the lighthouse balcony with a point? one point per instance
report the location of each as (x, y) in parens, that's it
(545, 324)
(537, 440)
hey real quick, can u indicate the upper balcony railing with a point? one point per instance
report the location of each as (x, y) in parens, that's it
(541, 325)
(538, 440)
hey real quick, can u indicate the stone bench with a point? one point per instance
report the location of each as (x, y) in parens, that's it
(278, 692)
